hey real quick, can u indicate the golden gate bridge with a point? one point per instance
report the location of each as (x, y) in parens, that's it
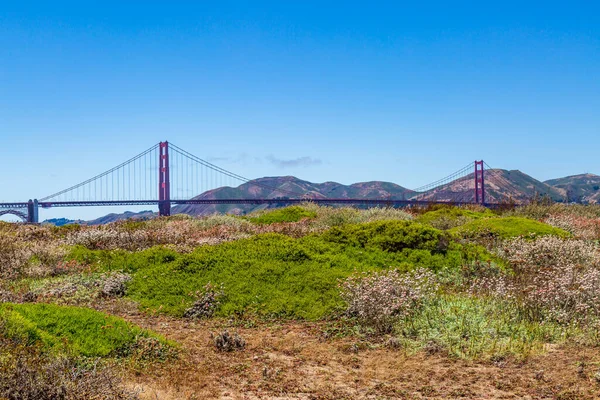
(165, 175)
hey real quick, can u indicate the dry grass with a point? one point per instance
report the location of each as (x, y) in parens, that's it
(294, 360)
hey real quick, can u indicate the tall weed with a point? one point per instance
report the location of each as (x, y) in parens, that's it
(553, 278)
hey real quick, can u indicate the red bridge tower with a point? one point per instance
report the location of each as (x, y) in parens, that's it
(164, 191)
(479, 183)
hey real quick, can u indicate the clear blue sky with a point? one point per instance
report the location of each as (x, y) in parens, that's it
(345, 91)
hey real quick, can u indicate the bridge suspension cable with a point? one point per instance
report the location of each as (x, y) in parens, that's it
(116, 178)
(458, 187)
(190, 156)
(461, 173)
(496, 176)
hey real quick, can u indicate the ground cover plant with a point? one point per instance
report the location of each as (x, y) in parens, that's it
(276, 275)
(477, 328)
(305, 294)
(76, 330)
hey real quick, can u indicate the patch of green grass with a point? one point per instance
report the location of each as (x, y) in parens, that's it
(287, 214)
(79, 331)
(477, 328)
(274, 275)
(507, 227)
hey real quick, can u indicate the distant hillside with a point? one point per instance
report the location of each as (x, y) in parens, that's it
(500, 185)
(126, 215)
(62, 221)
(514, 184)
(102, 220)
(583, 188)
(290, 187)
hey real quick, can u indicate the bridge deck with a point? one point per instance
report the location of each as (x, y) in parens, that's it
(388, 202)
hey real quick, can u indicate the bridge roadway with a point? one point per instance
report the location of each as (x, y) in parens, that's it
(386, 202)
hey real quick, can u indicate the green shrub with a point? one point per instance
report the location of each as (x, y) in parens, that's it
(79, 331)
(390, 236)
(269, 274)
(328, 216)
(277, 276)
(507, 227)
(287, 214)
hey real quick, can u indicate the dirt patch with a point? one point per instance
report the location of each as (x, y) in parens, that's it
(295, 361)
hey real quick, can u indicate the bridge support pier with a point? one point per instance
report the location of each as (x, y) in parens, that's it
(32, 211)
(164, 208)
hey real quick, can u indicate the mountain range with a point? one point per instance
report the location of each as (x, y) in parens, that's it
(501, 186)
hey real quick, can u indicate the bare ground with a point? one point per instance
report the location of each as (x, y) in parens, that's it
(295, 360)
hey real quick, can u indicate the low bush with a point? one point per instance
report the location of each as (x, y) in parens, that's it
(147, 349)
(554, 279)
(207, 303)
(390, 236)
(181, 233)
(107, 237)
(219, 220)
(328, 217)
(578, 226)
(451, 217)
(28, 374)
(507, 227)
(378, 299)
(476, 328)
(226, 341)
(115, 285)
(540, 211)
(381, 214)
(287, 214)
(26, 255)
(13, 257)
(76, 289)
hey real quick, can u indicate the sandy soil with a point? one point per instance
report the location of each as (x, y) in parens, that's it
(295, 360)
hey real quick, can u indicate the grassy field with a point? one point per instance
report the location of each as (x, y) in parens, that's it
(308, 292)
(76, 330)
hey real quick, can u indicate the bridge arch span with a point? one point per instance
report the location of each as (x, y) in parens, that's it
(18, 213)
